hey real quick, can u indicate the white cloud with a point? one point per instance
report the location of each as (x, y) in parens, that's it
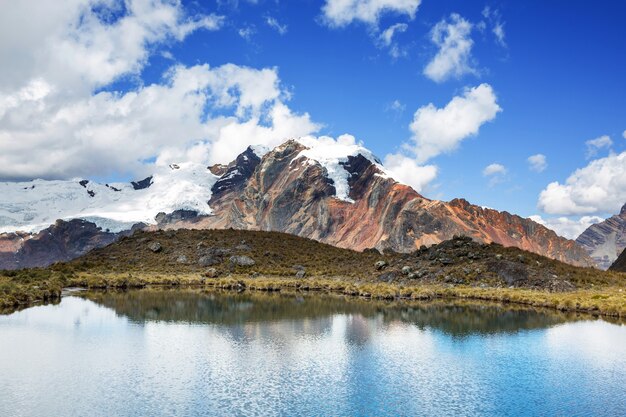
(594, 145)
(407, 171)
(600, 187)
(247, 32)
(497, 25)
(454, 57)
(624, 134)
(494, 169)
(338, 13)
(498, 31)
(396, 106)
(537, 163)
(495, 172)
(107, 132)
(567, 227)
(386, 39)
(440, 130)
(274, 24)
(53, 125)
(73, 47)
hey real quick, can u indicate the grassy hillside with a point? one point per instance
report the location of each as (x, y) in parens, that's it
(271, 261)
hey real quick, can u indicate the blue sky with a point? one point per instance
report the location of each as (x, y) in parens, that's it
(555, 76)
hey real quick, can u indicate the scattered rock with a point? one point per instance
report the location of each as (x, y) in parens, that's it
(301, 273)
(406, 270)
(241, 260)
(388, 276)
(298, 267)
(412, 275)
(380, 265)
(209, 260)
(243, 247)
(498, 256)
(155, 247)
(211, 273)
(182, 259)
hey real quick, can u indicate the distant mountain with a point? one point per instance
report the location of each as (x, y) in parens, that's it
(604, 241)
(620, 264)
(333, 193)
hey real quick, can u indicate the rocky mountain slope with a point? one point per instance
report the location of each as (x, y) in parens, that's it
(606, 240)
(289, 191)
(220, 253)
(338, 194)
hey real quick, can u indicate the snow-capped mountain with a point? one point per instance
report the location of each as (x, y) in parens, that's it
(35, 205)
(336, 192)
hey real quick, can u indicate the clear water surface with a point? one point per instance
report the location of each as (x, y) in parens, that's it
(188, 352)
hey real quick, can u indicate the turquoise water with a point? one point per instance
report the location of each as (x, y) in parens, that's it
(185, 352)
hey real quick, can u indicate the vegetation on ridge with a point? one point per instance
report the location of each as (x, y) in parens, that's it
(255, 260)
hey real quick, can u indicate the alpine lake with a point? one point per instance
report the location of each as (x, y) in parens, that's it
(198, 352)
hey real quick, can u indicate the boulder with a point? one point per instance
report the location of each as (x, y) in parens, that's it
(155, 247)
(209, 260)
(301, 273)
(380, 265)
(406, 270)
(182, 259)
(241, 260)
(388, 276)
(211, 273)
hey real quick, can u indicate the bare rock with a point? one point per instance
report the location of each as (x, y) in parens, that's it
(155, 247)
(241, 260)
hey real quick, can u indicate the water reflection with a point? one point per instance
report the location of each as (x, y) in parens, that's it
(189, 352)
(312, 314)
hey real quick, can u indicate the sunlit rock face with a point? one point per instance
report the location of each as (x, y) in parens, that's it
(291, 192)
(606, 240)
(341, 196)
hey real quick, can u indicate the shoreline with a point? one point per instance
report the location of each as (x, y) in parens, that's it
(605, 301)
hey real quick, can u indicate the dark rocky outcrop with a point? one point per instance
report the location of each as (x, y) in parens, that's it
(620, 264)
(63, 241)
(237, 173)
(143, 184)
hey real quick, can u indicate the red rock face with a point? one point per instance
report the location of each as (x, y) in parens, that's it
(287, 194)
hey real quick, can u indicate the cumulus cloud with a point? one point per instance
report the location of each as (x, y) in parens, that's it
(495, 172)
(338, 13)
(494, 169)
(74, 46)
(537, 163)
(567, 227)
(409, 172)
(440, 130)
(600, 187)
(54, 123)
(595, 145)
(454, 58)
(274, 24)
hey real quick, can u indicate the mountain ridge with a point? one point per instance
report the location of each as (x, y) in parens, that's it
(341, 196)
(606, 240)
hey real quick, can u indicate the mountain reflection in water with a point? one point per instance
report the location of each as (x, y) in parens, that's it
(313, 313)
